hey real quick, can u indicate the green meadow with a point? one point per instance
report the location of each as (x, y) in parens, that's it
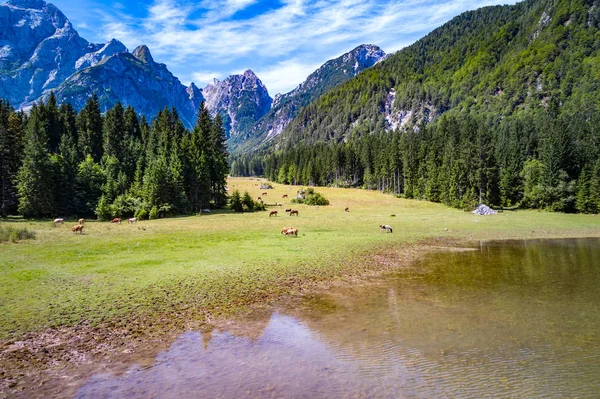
(223, 261)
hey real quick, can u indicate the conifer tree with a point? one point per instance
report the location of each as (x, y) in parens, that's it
(198, 183)
(34, 180)
(89, 124)
(51, 121)
(11, 154)
(90, 180)
(236, 201)
(219, 162)
(114, 132)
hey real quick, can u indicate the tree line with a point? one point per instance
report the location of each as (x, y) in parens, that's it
(56, 161)
(549, 160)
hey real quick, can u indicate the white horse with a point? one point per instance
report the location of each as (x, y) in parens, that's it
(59, 221)
(386, 228)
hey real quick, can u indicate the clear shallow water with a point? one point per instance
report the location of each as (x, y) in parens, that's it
(508, 320)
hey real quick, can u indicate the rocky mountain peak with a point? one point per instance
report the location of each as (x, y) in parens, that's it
(142, 53)
(368, 55)
(240, 100)
(93, 58)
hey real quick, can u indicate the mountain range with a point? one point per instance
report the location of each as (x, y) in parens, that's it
(41, 52)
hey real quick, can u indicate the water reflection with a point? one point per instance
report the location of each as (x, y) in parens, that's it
(515, 319)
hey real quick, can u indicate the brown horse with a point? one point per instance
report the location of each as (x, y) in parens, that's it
(284, 196)
(288, 231)
(294, 212)
(346, 209)
(264, 194)
(81, 221)
(292, 232)
(273, 213)
(77, 228)
(288, 210)
(116, 220)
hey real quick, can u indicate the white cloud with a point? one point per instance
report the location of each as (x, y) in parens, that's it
(281, 45)
(202, 78)
(284, 76)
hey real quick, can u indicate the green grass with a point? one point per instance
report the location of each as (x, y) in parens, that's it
(224, 260)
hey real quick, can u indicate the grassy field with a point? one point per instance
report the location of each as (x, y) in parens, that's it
(223, 260)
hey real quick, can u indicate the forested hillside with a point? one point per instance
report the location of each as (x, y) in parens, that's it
(57, 162)
(498, 105)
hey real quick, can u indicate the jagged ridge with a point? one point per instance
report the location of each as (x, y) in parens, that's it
(286, 106)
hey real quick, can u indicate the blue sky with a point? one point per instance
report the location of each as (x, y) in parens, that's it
(281, 41)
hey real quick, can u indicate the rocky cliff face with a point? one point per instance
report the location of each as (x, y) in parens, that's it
(241, 100)
(41, 52)
(332, 73)
(133, 79)
(39, 49)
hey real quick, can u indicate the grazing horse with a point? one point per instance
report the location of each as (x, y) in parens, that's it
(59, 221)
(294, 212)
(264, 194)
(116, 220)
(273, 213)
(288, 231)
(284, 196)
(386, 228)
(81, 221)
(288, 210)
(278, 204)
(77, 228)
(132, 220)
(346, 209)
(292, 232)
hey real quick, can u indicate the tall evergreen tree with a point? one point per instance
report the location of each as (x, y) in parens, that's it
(114, 132)
(219, 162)
(11, 154)
(89, 123)
(35, 178)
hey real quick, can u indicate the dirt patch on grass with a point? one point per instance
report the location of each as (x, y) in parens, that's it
(54, 363)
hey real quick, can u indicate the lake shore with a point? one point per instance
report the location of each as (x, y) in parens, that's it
(76, 304)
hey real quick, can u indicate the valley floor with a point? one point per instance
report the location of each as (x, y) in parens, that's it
(69, 299)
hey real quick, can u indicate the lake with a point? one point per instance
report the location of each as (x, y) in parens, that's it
(502, 320)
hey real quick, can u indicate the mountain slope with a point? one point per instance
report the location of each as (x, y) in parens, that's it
(498, 60)
(332, 73)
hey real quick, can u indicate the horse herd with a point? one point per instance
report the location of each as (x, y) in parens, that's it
(78, 228)
(286, 231)
(291, 211)
(289, 231)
